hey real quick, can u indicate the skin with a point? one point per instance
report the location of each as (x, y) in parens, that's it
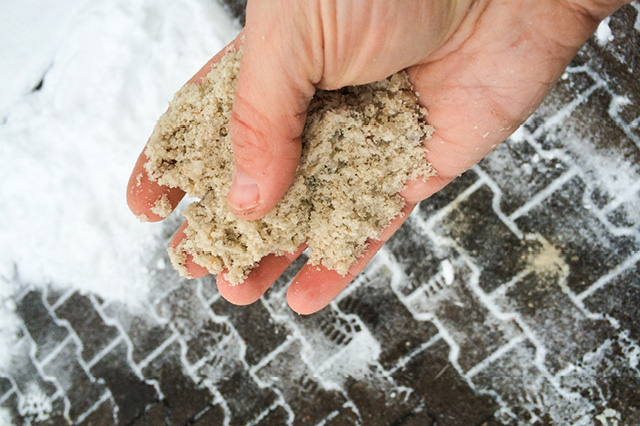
(481, 67)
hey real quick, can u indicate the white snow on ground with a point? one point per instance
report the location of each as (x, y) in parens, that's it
(5, 417)
(29, 40)
(8, 323)
(603, 33)
(66, 151)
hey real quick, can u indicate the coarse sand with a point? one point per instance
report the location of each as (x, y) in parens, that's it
(360, 146)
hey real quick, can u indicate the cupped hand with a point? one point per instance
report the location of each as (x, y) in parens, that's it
(481, 68)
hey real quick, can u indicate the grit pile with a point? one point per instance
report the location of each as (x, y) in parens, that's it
(360, 145)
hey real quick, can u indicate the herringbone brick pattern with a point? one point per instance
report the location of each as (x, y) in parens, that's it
(512, 297)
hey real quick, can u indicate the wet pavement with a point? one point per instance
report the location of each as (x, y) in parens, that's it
(510, 297)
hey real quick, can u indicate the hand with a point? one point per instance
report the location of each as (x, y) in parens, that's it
(481, 68)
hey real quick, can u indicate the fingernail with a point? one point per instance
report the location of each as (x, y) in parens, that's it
(244, 193)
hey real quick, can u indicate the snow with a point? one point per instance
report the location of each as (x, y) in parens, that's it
(66, 150)
(8, 322)
(603, 33)
(5, 417)
(448, 273)
(29, 40)
(35, 404)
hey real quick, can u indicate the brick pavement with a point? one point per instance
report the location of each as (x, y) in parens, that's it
(510, 297)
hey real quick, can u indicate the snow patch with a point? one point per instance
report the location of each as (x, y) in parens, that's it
(609, 417)
(612, 169)
(66, 150)
(9, 322)
(354, 360)
(5, 417)
(617, 102)
(35, 404)
(630, 349)
(447, 272)
(29, 40)
(519, 135)
(603, 33)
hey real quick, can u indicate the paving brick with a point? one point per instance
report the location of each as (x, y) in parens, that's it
(380, 402)
(54, 417)
(619, 383)
(477, 230)
(346, 417)
(213, 416)
(182, 307)
(275, 296)
(383, 314)
(10, 405)
(589, 133)
(617, 61)
(24, 372)
(183, 398)
(275, 417)
(87, 324)
(326, 333)
(627, 214)
(447, 396)
(417, 255)
(208, 287)
(145, 332)
(131, 393)
(156, 414)
(620, 299)
(244, 397)
(520, 173)
(506, 374)
(237, 9)
(573, 230)
(194, 320)
(540, 302)
(222, 361)
(467, 319)
(207, 336)
(5, 385)
(602, 135)
(568, 88)
(607, 379)
(582, 392)
(81, 390)
(53, 295)
(495, 422)
(635, 131)
(445, 196)
(289, 373)
(103, 415)
(419, 418)
(254, 324)
(41, 326)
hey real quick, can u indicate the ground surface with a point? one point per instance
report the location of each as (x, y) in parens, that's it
(512, 296)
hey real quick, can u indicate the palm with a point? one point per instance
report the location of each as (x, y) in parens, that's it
(480, 89)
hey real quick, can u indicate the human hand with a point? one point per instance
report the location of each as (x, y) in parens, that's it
(481, 68)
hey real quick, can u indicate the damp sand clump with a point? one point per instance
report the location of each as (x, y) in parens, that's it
(360, 146)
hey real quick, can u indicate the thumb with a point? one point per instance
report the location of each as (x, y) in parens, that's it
(269, 109)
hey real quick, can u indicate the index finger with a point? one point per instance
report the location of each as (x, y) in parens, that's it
(148, 200)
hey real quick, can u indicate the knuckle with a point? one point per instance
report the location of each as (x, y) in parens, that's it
(247, 140)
